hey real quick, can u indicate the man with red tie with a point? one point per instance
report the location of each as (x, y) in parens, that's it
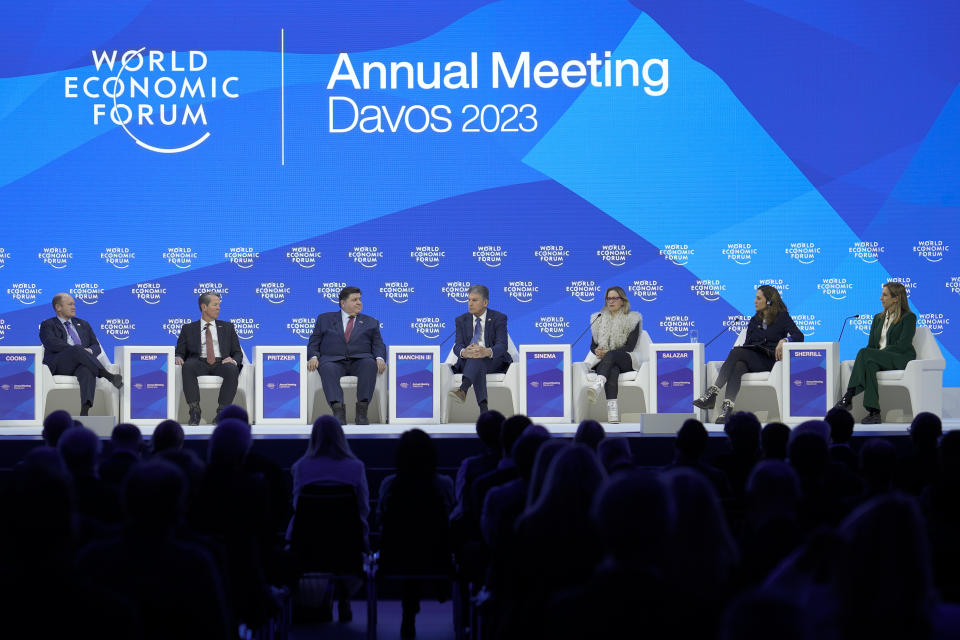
(347, 343)
(70, 349)
(209, 347)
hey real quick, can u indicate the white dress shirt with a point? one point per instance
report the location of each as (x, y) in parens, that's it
(473, 326)
(203, 339)
(63, 322)
(883, 332)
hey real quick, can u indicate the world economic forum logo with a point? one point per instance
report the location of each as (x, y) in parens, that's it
(428, 255)
(151, 94)
(583, 290)
(709, 290)
(118, 328)
(243, 257)
(777, 283)
(740, 252)
(552, 255)
(802, 252)
(366, 256)
(735, 323)
(149, 292)
(428, 326)
(677, 253)
(521, 290)
(490, 255)
(118, 257)
(56, 257)
(86, 292)
(932, 250)
(25, 293)
(614, 254)
(678, 325)
(4, 328)
(456, 290)
(180, 257)
(808, 324)
(552, 326)
(836, 288)
(331, 290)
(245, 327)
(646, 290)
(936, 322)
(216, 287)
(174, 325)
(397, 291)
(4, 256)
(909, 284)
(273, 292)
(868, 252)
(862, 324)
(302, 327)
(953, 284)
(305, 257)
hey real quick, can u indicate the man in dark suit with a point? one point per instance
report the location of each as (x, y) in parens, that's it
(481, 346)
(347, 343)
(209, 347)
(70, 349)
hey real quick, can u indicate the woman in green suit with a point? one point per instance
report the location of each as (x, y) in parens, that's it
(890, 347)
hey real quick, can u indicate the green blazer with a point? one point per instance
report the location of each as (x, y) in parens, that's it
(899, 336)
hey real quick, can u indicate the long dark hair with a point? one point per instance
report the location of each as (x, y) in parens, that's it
(774, 303)
(327, 440)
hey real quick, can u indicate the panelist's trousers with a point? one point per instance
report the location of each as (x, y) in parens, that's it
(77, 361)
(194, 367)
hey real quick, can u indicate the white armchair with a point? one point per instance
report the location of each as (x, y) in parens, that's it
(318, 400)
(760, 393)
(503, 389)
(634, 386)
(63, 392)
(906, 392)
(210, 388)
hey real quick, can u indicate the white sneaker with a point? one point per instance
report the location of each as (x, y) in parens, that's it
(613, 412)
(594, 391)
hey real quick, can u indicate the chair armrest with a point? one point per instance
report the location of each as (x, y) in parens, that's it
(930, 364)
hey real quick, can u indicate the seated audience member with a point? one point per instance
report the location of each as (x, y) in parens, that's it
(79, 447)
(920, 468)
(541, 464)
(743, 433)
(841, 432)
(878, 466)
(615, 455)
(773, 441)
(54, 425)
(941, 502)
(705, 559)
(506, 469)
(590, 433)
(762, 614)
(126, 442)
(175, 585)
(626, 596)
(414, 508)
(821, 502)
(691, 443)
(488, 431)
(168, 435)
(770, 529)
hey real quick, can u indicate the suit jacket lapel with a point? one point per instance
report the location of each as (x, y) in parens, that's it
(486, 326)
(224, 347)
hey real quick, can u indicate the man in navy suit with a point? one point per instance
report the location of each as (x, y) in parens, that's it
(70, 349)
(481, 345)
(209, 347)
(347, 343)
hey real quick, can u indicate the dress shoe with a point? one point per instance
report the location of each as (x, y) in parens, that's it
(339, 412)
(344, 612)
(362, 413)
(872, 418)
(708, 399)
(116, 380)
(725, 410)
(194, 414)
(595, 390)
(459, 395)
(85, 409)
(846, 402)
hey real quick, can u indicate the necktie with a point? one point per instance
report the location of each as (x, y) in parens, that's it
(477, 332)
(73, 333)
(211, 359)
(349, 329)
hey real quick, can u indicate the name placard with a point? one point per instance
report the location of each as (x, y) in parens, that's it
(675, 381)
(280, 385)
(18, 388)
(808, 382)
(414, 388)
(148, 380)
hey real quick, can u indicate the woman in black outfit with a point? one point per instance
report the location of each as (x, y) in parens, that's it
(769, 328)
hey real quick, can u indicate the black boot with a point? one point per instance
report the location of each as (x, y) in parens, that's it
(873, 416)
(85, 408)
(216, 418)
(725, 410)
(483, 406)
(339, 412)
(708, 399)
(362, 412)
(194, 414)
(846, 402)
(115, 379)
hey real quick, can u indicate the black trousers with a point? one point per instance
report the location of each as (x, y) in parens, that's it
(611, 366)
(194, 367)
(77, 361)
(365, 369)
(739, 361)
(475, 372)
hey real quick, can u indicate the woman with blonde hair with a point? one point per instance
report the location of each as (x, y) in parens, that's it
(889, 347)
(615, 330)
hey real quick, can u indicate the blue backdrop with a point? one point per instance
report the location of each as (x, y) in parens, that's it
(813, 146)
